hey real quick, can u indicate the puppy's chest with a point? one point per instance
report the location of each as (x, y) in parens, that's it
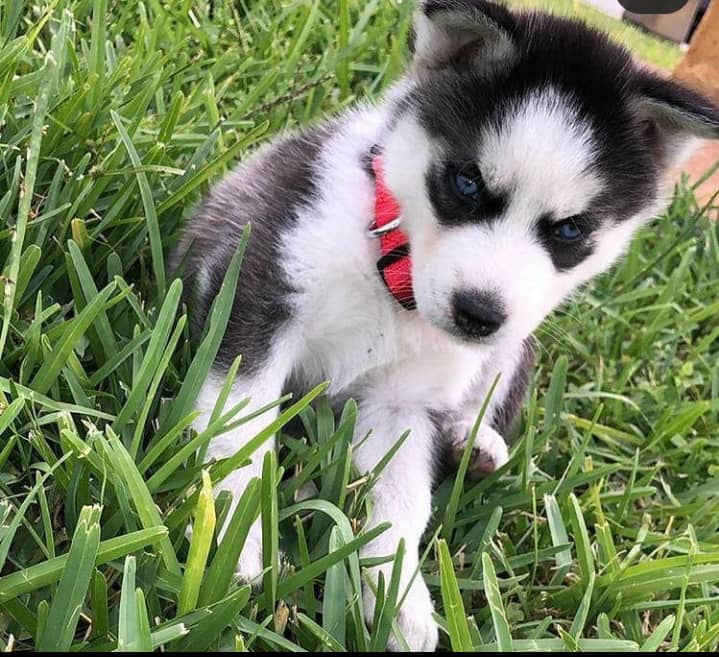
(363, 348)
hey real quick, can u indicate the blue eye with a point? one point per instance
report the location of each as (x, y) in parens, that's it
(467, 183)
(567, 231)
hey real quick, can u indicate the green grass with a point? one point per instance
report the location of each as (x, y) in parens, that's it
(651, 49)
(601, 533)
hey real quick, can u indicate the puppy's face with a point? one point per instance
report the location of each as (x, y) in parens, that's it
(525, 153)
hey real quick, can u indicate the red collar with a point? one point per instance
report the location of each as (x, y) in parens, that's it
(394, 265)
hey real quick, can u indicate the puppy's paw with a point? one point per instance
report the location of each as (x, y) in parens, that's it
(489, 451)
(416, 622)
(414, 619)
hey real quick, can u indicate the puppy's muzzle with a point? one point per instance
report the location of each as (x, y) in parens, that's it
(477, 314)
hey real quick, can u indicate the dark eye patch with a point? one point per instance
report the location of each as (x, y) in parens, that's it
(566, 253)
(454, 208)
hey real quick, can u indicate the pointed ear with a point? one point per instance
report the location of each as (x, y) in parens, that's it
(679, 113)
(461, 33)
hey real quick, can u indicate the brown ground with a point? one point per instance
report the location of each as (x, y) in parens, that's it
(698, 165)
(700, 68)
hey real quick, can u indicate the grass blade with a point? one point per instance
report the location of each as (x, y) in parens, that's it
(144, 504)
(496, 606)
(221, 572)
(581, 540)
(459, 634)
(51, 368)
(203, 532)
(203, 634)
(153, 226)
(12, 265)
(657, 637)
(133, 627)
(68, 600)
(270, 529)
(50, 571)
(335, 596)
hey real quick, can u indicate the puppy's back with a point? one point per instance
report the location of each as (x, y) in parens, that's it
(267, 192)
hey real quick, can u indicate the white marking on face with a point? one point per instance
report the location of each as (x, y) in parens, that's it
(541, 154)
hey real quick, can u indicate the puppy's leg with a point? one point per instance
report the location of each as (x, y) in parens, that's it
(489, 451)
(262, 389)
(401, 496)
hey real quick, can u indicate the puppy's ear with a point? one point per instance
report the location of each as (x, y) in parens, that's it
(461, 33)
(680, 115)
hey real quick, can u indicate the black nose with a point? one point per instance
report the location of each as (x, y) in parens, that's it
(477, 314)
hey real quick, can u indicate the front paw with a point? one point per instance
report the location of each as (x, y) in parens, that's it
(489, 451)
(415, 621)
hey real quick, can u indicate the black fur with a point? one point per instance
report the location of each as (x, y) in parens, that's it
(566, 255)
(266, 194)
(455, 103)
(451, 208)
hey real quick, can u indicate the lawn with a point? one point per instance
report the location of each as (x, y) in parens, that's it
(601, 532)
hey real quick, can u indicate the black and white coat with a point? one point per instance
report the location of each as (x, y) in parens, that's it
(561, 133)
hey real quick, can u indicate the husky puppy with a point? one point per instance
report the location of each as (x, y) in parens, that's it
(407, 251)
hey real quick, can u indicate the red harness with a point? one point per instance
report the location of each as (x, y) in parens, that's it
(394, 265)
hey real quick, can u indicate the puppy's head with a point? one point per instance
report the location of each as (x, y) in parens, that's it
(525, 152)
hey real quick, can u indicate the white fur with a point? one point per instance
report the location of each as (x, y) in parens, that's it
(261, 390)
